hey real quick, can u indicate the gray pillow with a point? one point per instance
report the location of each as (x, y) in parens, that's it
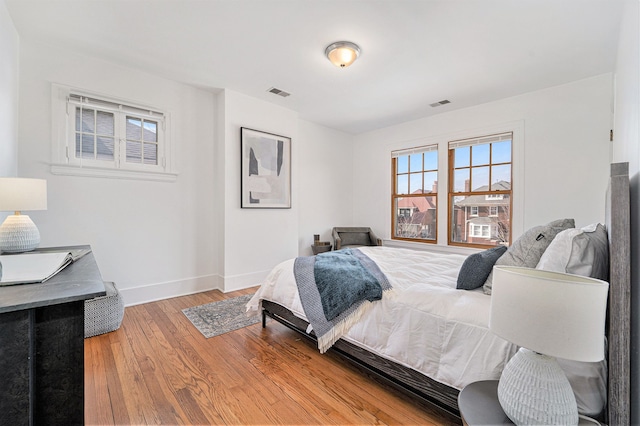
(527, 250)
(576, 251)
(477, 267)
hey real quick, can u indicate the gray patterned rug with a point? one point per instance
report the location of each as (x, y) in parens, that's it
(214, 319)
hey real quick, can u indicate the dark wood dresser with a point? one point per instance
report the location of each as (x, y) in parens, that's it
(42, 346)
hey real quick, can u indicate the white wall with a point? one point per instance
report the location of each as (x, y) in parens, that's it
(9, 50)
(153, 239)
(325, 184)
(626, 147)
(565, 153)
(255, 240)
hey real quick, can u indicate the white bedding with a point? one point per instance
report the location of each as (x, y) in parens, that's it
(427, 324)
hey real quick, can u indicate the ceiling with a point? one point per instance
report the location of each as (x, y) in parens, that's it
(414, 52)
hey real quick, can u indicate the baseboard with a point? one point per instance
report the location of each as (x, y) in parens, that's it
(242, 281)
(160, 291)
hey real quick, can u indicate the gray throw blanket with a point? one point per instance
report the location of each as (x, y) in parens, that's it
(333, 288)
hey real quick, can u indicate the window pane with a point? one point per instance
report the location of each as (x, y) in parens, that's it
(480, 154)
(415, 162)
(460, 180)
(78, 121)
(415, 217)
(134, 129)
(134, 151)
(105, 148)
(88, 124)
(150, 153)
(480, 178)
(482, 229)
(403, 184)
(501, 152)
(78, 145)
(430, 182)
(402, 164)
(501, 177)
(461, 157)
(431, 160)
(150, 133)
(87, 146)
(105, 123)
(415, 183)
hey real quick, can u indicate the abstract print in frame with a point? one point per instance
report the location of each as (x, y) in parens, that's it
(266, 170)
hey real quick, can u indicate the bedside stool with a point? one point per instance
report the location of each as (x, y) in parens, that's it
(478, 404)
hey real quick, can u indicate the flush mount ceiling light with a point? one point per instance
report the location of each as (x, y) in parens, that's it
(342, 53)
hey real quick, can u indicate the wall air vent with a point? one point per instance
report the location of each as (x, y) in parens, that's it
(437, 104)
(278, 92)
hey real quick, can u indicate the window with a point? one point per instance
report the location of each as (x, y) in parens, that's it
(107, 138)
(415, 194)
(480, 191)
(481, 231)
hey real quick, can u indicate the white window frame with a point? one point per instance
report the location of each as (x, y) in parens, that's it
(65, 100)
(473, 211)
(480, 231)
(491, 210)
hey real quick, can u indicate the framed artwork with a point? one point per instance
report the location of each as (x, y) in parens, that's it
(266, 170)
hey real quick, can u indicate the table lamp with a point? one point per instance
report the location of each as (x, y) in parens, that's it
(549, 315)
(18, 233)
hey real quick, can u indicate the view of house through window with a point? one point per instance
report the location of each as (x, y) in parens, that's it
(480, 191)
(415, 194)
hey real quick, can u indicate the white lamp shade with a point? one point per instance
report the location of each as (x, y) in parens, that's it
(22, 194)
(555, 314)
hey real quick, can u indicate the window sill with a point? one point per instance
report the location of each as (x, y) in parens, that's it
(67, 170)
(438, 248)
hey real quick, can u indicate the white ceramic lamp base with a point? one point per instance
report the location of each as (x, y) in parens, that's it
(18, 233)
(533, 390)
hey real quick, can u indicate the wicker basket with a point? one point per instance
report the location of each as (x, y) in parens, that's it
(103, 314)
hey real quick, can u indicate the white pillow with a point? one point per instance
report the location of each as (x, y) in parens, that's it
(583, 251)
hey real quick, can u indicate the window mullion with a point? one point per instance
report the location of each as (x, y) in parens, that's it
(120, 134)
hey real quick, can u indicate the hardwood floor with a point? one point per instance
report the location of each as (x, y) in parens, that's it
(158, 369)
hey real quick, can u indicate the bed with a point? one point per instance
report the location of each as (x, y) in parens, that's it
(388, 340)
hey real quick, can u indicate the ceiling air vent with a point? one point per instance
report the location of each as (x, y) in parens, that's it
(437, 104)
(278, 92)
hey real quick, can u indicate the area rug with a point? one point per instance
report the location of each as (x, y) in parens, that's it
(214, 319)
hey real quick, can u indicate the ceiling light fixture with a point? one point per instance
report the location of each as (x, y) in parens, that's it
(342, 53)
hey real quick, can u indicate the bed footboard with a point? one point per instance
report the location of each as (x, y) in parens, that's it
(401, 378)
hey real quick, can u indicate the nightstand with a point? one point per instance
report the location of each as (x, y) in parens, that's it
(478, 404)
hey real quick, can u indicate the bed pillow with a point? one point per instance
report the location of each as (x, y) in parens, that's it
(477, 267)
(527, 250)
(583, 251)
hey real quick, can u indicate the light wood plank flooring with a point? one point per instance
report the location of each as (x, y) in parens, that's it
(158, 369)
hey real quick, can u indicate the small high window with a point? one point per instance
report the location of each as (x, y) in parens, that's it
(106, 137)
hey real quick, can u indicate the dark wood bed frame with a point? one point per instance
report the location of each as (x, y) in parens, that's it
(444, 397)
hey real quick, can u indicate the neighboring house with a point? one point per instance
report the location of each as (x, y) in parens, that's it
(485, 217)
(417, 217)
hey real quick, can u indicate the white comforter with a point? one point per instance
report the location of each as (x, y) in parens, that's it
(426, 324)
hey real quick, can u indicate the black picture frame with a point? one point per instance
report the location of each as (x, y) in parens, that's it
(265, 177)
